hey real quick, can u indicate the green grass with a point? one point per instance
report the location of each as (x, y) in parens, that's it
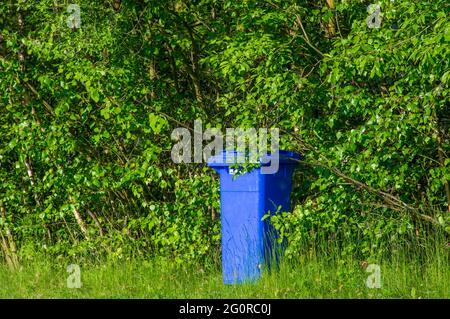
(305, 277)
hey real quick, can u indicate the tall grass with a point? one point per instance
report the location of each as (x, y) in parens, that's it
(319, 271)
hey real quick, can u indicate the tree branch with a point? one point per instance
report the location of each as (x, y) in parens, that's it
(305, 35)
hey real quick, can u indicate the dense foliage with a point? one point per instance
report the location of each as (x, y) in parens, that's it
(86, 115)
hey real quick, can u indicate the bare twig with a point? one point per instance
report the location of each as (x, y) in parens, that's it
(305, 35)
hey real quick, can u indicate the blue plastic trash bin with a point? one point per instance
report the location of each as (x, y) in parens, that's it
(248, 241)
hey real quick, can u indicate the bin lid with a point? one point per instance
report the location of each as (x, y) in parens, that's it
(227, 158)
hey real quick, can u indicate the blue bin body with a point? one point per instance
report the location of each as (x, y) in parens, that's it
(248, 242)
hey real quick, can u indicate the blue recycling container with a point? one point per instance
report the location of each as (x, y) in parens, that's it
(248, 242)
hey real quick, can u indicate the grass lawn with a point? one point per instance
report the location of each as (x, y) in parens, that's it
(305, 277)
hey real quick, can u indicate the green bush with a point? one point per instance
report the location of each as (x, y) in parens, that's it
(86, 115)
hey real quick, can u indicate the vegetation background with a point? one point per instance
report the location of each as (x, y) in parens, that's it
(86, 115)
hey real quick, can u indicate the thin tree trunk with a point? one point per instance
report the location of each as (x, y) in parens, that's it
(330, 29)
(97, 222)
(8, 244)
(442, 162)
(440, 133)
(195, 69)
(80, 222)
(153, 77)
